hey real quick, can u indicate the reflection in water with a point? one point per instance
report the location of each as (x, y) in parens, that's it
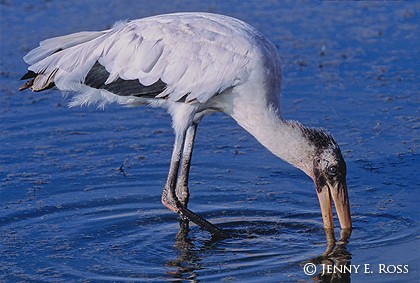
(188, 258)
(335, 261)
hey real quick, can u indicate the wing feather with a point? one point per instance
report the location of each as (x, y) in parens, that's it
(52, 45)
(196, 56)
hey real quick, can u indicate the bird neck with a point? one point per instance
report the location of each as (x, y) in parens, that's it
(285, 139)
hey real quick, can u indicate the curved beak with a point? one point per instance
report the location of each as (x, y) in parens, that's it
(341, 201)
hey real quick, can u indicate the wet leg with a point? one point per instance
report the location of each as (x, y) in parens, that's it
(169, 196)
(182, 191)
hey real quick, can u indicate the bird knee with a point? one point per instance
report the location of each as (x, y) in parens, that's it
(169, 202)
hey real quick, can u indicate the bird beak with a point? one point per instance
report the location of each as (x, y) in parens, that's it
(341, 201)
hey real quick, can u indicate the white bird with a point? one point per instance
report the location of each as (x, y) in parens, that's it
(192, 64)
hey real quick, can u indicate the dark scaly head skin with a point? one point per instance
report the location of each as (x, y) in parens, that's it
(329, 175)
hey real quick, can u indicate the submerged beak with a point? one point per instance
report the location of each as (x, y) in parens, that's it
(341, 201)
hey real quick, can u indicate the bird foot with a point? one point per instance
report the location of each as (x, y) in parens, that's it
(203, 223)
(186, 215)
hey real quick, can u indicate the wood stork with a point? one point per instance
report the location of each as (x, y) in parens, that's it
(192, 64)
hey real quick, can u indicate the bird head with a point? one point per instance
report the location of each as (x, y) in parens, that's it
(328, 171)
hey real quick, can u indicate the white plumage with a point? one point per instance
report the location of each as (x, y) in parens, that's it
(194, 54)
(191, 64)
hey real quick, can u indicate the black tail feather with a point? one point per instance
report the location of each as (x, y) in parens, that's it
(29, 75)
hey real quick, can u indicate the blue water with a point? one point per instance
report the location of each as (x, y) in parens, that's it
(80, 188)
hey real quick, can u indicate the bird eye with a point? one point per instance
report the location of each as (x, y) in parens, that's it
(332, 170)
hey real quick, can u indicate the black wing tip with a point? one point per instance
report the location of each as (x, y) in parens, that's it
(98, 75)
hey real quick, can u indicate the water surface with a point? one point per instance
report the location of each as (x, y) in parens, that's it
(80, 188)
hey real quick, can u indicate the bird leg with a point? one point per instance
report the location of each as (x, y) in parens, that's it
(169, 196)
(182, 191)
